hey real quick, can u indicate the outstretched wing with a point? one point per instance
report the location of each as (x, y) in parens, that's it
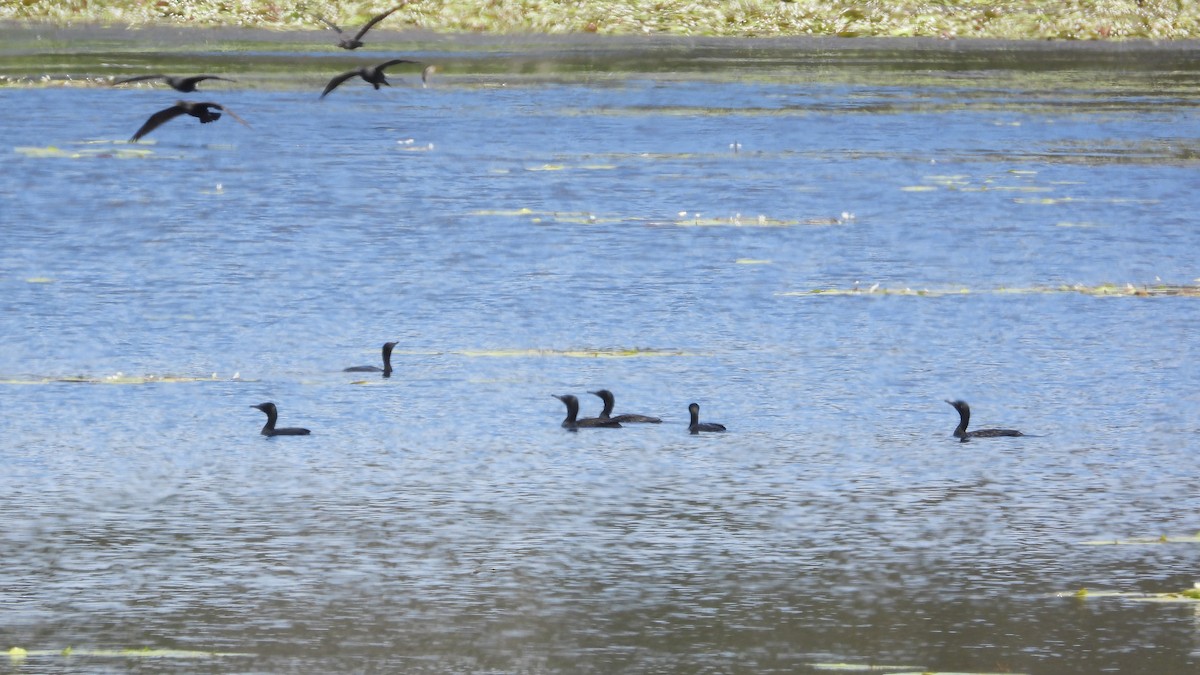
(139, 78)
(156, 120)
(333, 84)
(379, 17)
(232, 114)
(332, 25)
(190, 82)
(393, 62)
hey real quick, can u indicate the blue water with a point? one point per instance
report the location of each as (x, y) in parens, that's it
(657, 235)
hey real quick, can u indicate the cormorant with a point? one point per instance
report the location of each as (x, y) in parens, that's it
(201, 111)
(606, 414)
(573, 411)
(356, 41)
(964, 418)
(273, 415)
(184, 84)
(387, 363)
(372, 74)
(696, 425)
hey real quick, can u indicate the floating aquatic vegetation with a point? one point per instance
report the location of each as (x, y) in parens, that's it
(539, 217)
(1160, 290)
(1007, 188)
(51, 81)
(877, 290)
(1186, 596)
(108, 150)
(410, 145)
(367, 380)
(737, 220)
(862, 667)
(506, 212)
(964, 183)
(957, 180)
(121, 378)
(635, 352)
(890, 670)
(566, 167)
(1052, 201)
(684, 219)
(1101, 290)
(581, 219)
(1143, 541)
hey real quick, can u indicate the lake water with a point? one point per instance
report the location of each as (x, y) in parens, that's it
(1012, 225)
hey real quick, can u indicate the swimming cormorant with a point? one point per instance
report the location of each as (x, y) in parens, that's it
(184, 84)
(273, 415)
(387, 363)
(964, 418)
(201, 111)
(372, 74)
(573, 411)
(696, 426)
(356, 41)
(606, 414)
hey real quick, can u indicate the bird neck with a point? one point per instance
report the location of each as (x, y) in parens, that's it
(964, 418)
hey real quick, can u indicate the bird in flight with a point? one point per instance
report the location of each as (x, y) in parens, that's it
(184, 84)
(202, 111)
(372, 74)
(355, 42)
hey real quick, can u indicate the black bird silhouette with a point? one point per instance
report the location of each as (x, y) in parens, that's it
(272, 416)
(387, 362)
(606, 414)
(372, 74)
(184, 84)
(573, 412)
(201, 111)
(356, 41)
(964, 418)
(696, 426)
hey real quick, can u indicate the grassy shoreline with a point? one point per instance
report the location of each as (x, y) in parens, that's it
(997, 19)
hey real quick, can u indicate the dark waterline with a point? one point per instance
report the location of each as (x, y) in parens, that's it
(554, 217)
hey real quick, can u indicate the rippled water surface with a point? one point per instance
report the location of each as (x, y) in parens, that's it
(1015, 227)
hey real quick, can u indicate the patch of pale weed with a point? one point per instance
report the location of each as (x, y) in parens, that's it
(1008, 19)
